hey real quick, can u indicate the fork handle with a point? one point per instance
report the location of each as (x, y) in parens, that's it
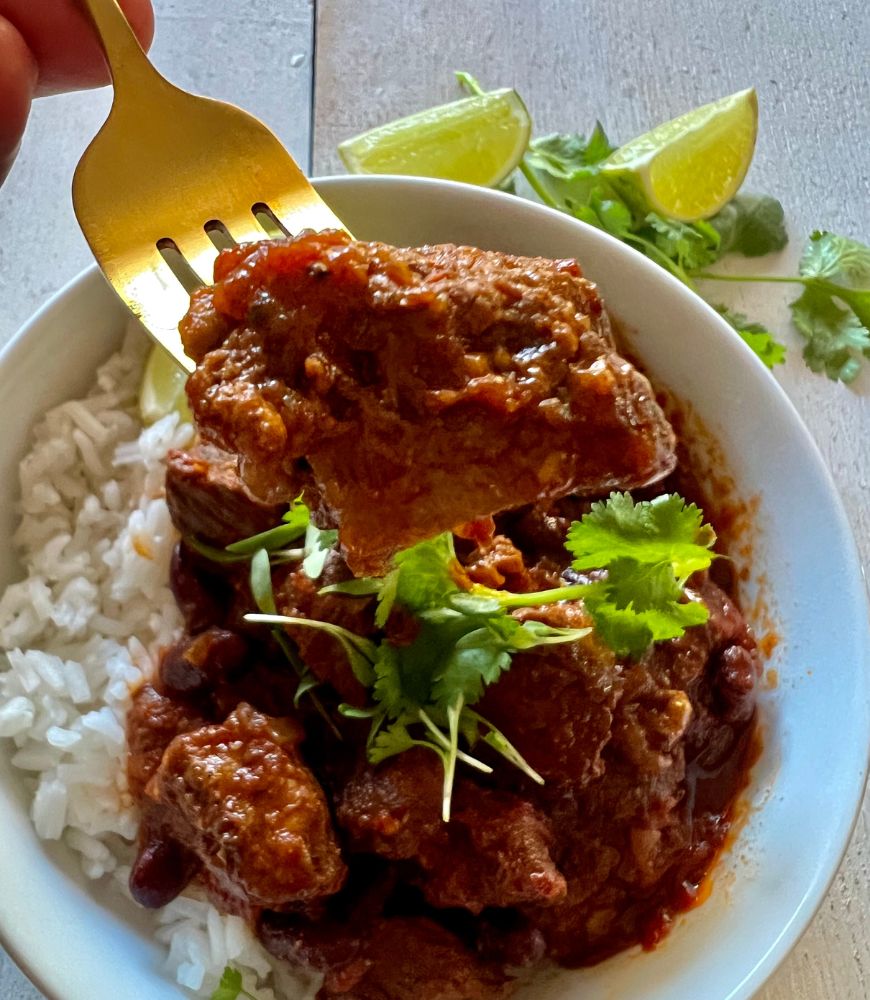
(129, 66)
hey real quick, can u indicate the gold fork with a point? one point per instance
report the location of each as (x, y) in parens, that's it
(170, 179)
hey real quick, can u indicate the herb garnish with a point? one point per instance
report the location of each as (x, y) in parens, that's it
(833, 312)
(649, 550)
(230, 987)
(268, 548)
(422, 693)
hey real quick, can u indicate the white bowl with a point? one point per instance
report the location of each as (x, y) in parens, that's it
(805, 789)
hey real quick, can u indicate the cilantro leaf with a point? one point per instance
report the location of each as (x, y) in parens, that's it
(692, 245)
(388, 690)
(752, 225)
(387, 597)
(564, 155)
(841, 267)
(230, 987)
(427, 573)
(836, 258)
(655, 598)
(836, 339)
(759, 338)
(392, 740)
(666, 529)
(478, 657)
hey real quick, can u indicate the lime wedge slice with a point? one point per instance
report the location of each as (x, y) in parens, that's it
(690, 167)
(479, 140)
(162, 388)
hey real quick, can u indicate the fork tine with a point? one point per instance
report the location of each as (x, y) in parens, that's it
(199, 252)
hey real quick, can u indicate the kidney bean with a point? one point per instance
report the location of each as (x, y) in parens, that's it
(196, 663)
(162, 869)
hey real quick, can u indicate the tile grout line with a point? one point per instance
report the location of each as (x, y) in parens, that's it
(313, 88)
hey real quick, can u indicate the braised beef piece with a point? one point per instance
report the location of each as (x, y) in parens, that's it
(163, 866)
(491, 559)
(153, 722)
(238, 795)
(634, 844)
(409, 391)
(298, 596)
(208, 501)
(394, 958)
(495, 851)
(202, 592)
(568, 694)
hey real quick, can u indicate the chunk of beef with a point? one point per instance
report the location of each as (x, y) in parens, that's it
(153, 722)
(386, 959)
(203, 594)
(298, 596)
(207, 499)
(634, 842)
(718, 665)
(410, 391)
(239, 796)
(493, 561)
(567, 693)
(495, 851)
(163, 866)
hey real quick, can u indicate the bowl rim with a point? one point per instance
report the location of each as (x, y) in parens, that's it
(816, 893)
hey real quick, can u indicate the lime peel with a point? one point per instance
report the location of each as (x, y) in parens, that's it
(690, 167)
(477, 140)
(162, 388)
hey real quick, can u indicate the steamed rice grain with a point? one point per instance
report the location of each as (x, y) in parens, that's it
(82, 629)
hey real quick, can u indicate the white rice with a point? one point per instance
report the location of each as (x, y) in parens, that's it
(80, 632)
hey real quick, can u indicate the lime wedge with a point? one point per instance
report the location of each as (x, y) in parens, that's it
(162, 388)
(688, 168)
(479, 140)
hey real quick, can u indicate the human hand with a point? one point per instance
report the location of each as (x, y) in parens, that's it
(47, 46)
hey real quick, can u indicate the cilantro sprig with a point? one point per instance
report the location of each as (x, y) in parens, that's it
(833, 312)
(649, 550)
(422, 693)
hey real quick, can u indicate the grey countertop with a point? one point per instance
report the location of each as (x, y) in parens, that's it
(631, 64)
